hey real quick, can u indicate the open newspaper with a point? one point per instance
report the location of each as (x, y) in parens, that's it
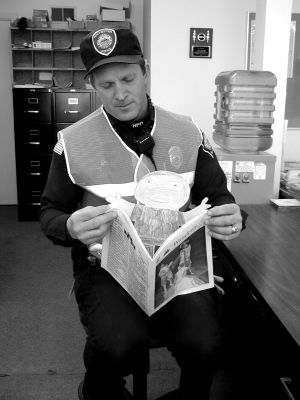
(181, 264)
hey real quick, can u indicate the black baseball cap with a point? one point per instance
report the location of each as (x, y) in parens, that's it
(107, 45)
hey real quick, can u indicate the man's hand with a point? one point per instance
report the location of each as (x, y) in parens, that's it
(90, 224)
(224, 222)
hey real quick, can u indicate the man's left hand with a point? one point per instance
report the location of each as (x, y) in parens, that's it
(224, 222)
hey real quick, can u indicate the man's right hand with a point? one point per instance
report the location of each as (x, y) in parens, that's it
(90, 224)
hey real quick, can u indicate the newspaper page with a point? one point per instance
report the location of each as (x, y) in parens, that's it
(182, 264)
(125, 257)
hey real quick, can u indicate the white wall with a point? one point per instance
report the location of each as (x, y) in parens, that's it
(291, 145)
(8, 186)
(273, 16)
(187, 85)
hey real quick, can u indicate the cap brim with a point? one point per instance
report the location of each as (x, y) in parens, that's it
(129, 59)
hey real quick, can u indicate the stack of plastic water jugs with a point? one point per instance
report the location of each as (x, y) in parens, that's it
(244, 110)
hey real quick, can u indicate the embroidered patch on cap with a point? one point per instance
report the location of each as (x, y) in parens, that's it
(104, 41)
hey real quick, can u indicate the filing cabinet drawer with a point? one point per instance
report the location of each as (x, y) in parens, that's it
(32, 192)
(34, 197)
(32, 105)
(31, 196)
(32, 177)
(36, 168)
(72, 106)
(28, 211)
(35, 139)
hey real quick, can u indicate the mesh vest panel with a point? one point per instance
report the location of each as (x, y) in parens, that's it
(96, 155)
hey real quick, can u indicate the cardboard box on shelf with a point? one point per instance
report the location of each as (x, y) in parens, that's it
(76, 24)
(59, 25)
(92, 17)
(115, 24)
(112, 4)
(39, 24)
(40, 15)
(115, 4)
(92, 25)
(113, 15)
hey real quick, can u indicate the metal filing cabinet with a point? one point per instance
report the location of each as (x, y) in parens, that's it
(38, 115)
(34, 140)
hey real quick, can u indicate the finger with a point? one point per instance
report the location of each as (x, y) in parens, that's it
(222, 221)
(89, 212)
(99, 220)
(225, 209)
(223, 237)
(95, 235)
(218, 278)
(91, 228)
(224, 230)
(219, 289)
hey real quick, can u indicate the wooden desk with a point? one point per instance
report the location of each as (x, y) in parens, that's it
(268, 251)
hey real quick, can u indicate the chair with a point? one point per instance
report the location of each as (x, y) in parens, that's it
(139, 378)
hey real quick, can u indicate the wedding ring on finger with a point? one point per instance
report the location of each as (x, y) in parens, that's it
(234, 229)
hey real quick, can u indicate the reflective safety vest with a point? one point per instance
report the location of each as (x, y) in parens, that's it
(99, 161)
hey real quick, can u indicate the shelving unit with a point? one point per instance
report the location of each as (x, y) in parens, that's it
(59, 65)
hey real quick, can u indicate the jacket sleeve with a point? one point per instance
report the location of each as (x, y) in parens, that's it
(210, 180)
(59, 200)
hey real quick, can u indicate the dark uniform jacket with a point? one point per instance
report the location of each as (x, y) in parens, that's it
(61, 196)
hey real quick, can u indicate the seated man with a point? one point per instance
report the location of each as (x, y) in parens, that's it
(113, 147)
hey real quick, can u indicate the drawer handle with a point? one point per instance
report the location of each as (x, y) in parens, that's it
(35, 163)
(31, 111)
(71, 111)
(35, 193)
(34, 204)
(34, 132)
(34, 143)
(33, 100)
(34, 173)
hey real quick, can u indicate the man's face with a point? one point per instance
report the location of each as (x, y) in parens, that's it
(122, 90)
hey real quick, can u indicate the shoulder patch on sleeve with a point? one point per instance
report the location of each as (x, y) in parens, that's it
(206, 146)
(58, 148)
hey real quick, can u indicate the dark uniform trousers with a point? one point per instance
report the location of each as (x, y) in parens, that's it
(118, 334)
